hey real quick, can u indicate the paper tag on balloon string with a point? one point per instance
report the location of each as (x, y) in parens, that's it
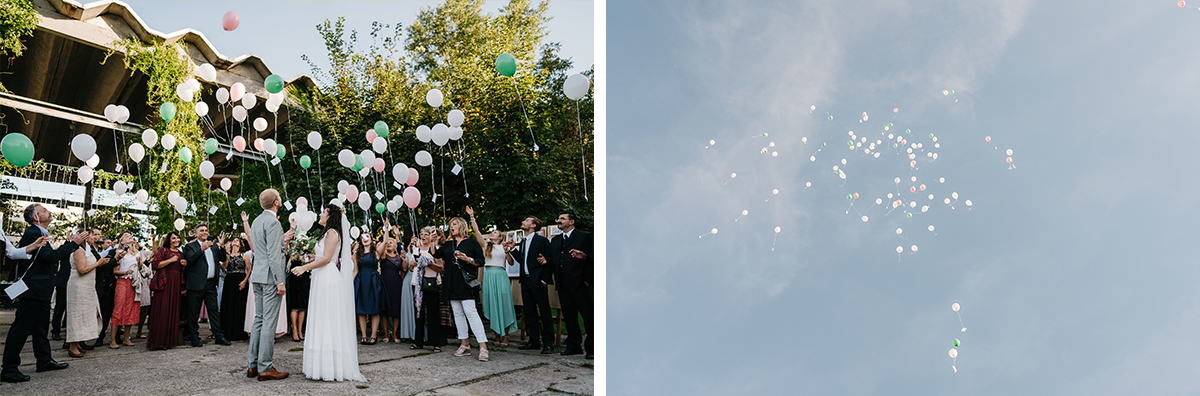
(240, 201)
(435, 198)
(235, 225)
(288, 204)
(163, 169)
(118, 168)
(275, 161)
(193, 207)
(91, 212)
(378, 195)
(212, 210)
(14, 290)
(398, 186)
(456, 169)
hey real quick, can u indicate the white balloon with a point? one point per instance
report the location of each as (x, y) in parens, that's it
(206, 169)
(954, 195)
(953, 353)
(423, 134)
(184, 92)
(455, 133)
(119, 187)
(434, 97)
(94, 161)
(168, 141)
(137, 152)
(899, 249)
(576, 86)
(364, 200)
(143, 196)
(930, 228)
(179, 224)
(354, 232)
(207, 72)
(314, 140)
(379, 145)
(346, 158)
(272, 107)
(222, 95)
(954, 307)
(226, 183)
(968, 202)
(193, 84)
(864, 219)
(85, 174)
(239, 113)
(400, 173)
(392, 206)
(122, 114)
(914, 248)
(455, 118)
(110, 113)
(248, 101)
(423, 158)
(260, 124)
(269, 146)
(368, 157)
(201, 108)
(276, 98)
(899, 231)
(83, 146)
(878, 201)
(366, 170)
(441, 134)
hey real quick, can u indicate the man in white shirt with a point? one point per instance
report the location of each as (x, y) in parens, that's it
(203, 259)
(535, 280)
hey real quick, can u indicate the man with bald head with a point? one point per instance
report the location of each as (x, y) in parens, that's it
(267, 276)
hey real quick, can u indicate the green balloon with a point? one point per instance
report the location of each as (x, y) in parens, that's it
(17, 149)
(506, 64)
(379, 207)
(908, 131)
(850, 142)
(358, 163)
(305, 162)
(210, 146)
(910, 215)
(273, 83)
(931, 134)
(951, 91)
(764, 134)
(890, 125)
(830, 118)
(849, 196)
(956, 342)
(167, 111)
(822, 144)
(185, 155)
(381, 128)
(280, 151)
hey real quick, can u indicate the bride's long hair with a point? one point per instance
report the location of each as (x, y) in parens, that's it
(333, 221)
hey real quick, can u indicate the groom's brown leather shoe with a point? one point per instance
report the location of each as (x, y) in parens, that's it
(272, 374)
(251, 373)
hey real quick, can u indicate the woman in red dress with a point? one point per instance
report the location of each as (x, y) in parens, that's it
(164, 304)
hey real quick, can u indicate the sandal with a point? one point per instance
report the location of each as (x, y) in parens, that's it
(363, 341)
(483, 355)
(372, 341)
(414, 347)
(72, 354)
(463, 350)
(437, 349)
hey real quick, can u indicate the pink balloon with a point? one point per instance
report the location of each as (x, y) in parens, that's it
(302, 202)
(371, 136)
(412, 197)
(351, 193)
(412, 177)
(379, 165)
(239, 143)
(230, 21)
(258, 144)
(236, 91)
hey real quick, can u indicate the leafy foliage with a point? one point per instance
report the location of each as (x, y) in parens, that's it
(18, 18)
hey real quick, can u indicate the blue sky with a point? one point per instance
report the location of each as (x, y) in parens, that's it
(281, 31)
(1076, 270)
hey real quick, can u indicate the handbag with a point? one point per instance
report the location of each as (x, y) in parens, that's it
(429, 284)
(471, 277)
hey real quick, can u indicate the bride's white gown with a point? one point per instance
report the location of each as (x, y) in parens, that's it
(330, 346)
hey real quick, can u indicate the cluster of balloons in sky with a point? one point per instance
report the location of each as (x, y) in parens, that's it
(954, 351)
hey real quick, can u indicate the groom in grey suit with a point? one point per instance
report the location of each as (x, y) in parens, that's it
(267, 276)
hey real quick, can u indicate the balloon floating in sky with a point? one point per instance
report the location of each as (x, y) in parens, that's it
(506, 64)
(744, 213)
(713, 232)
(230, 21)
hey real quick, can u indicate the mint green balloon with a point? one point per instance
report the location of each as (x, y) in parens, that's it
(956, 342)
(908, 131)
(210, 146)
(830, 118)
(280, 151)
(379, 207)
(17, 149)
(185, 155)
(167, 111)
(822, 144)
(358, 163)
(506, 64)
(273, 83)
(381, 128)
(910, 215)
(305, 162)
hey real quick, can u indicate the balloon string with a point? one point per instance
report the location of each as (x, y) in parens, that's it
(443, 160)
(320, 182)
(583, 153)
(527, 124)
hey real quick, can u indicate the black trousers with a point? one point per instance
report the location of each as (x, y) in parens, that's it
(32, 318)
(58, 321)
(535, 309)
(430, 315)
(106, 309)
(575, 302)
(208, 296)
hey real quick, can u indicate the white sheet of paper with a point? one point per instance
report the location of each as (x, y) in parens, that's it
(16, 289)
(193, 207)
(288, 204)
(275, 161)
(91, 212)
(118, 168)
(212, 210)
(398, 185)
(378, 195)
(457, 168)
(240, 201)
(163, 169)
(235, 225)
(434, 198)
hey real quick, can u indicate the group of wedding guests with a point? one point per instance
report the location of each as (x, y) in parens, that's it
(407, 291)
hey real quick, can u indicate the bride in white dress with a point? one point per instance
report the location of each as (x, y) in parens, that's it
(330, 346)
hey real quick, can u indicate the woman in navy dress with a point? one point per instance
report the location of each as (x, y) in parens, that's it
(370, 299)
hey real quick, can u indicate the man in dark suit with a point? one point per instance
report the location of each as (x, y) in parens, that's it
(57, 322)
(535, 279)
(33, 306)
(571, 256)
(106, 288)
(204, 260)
